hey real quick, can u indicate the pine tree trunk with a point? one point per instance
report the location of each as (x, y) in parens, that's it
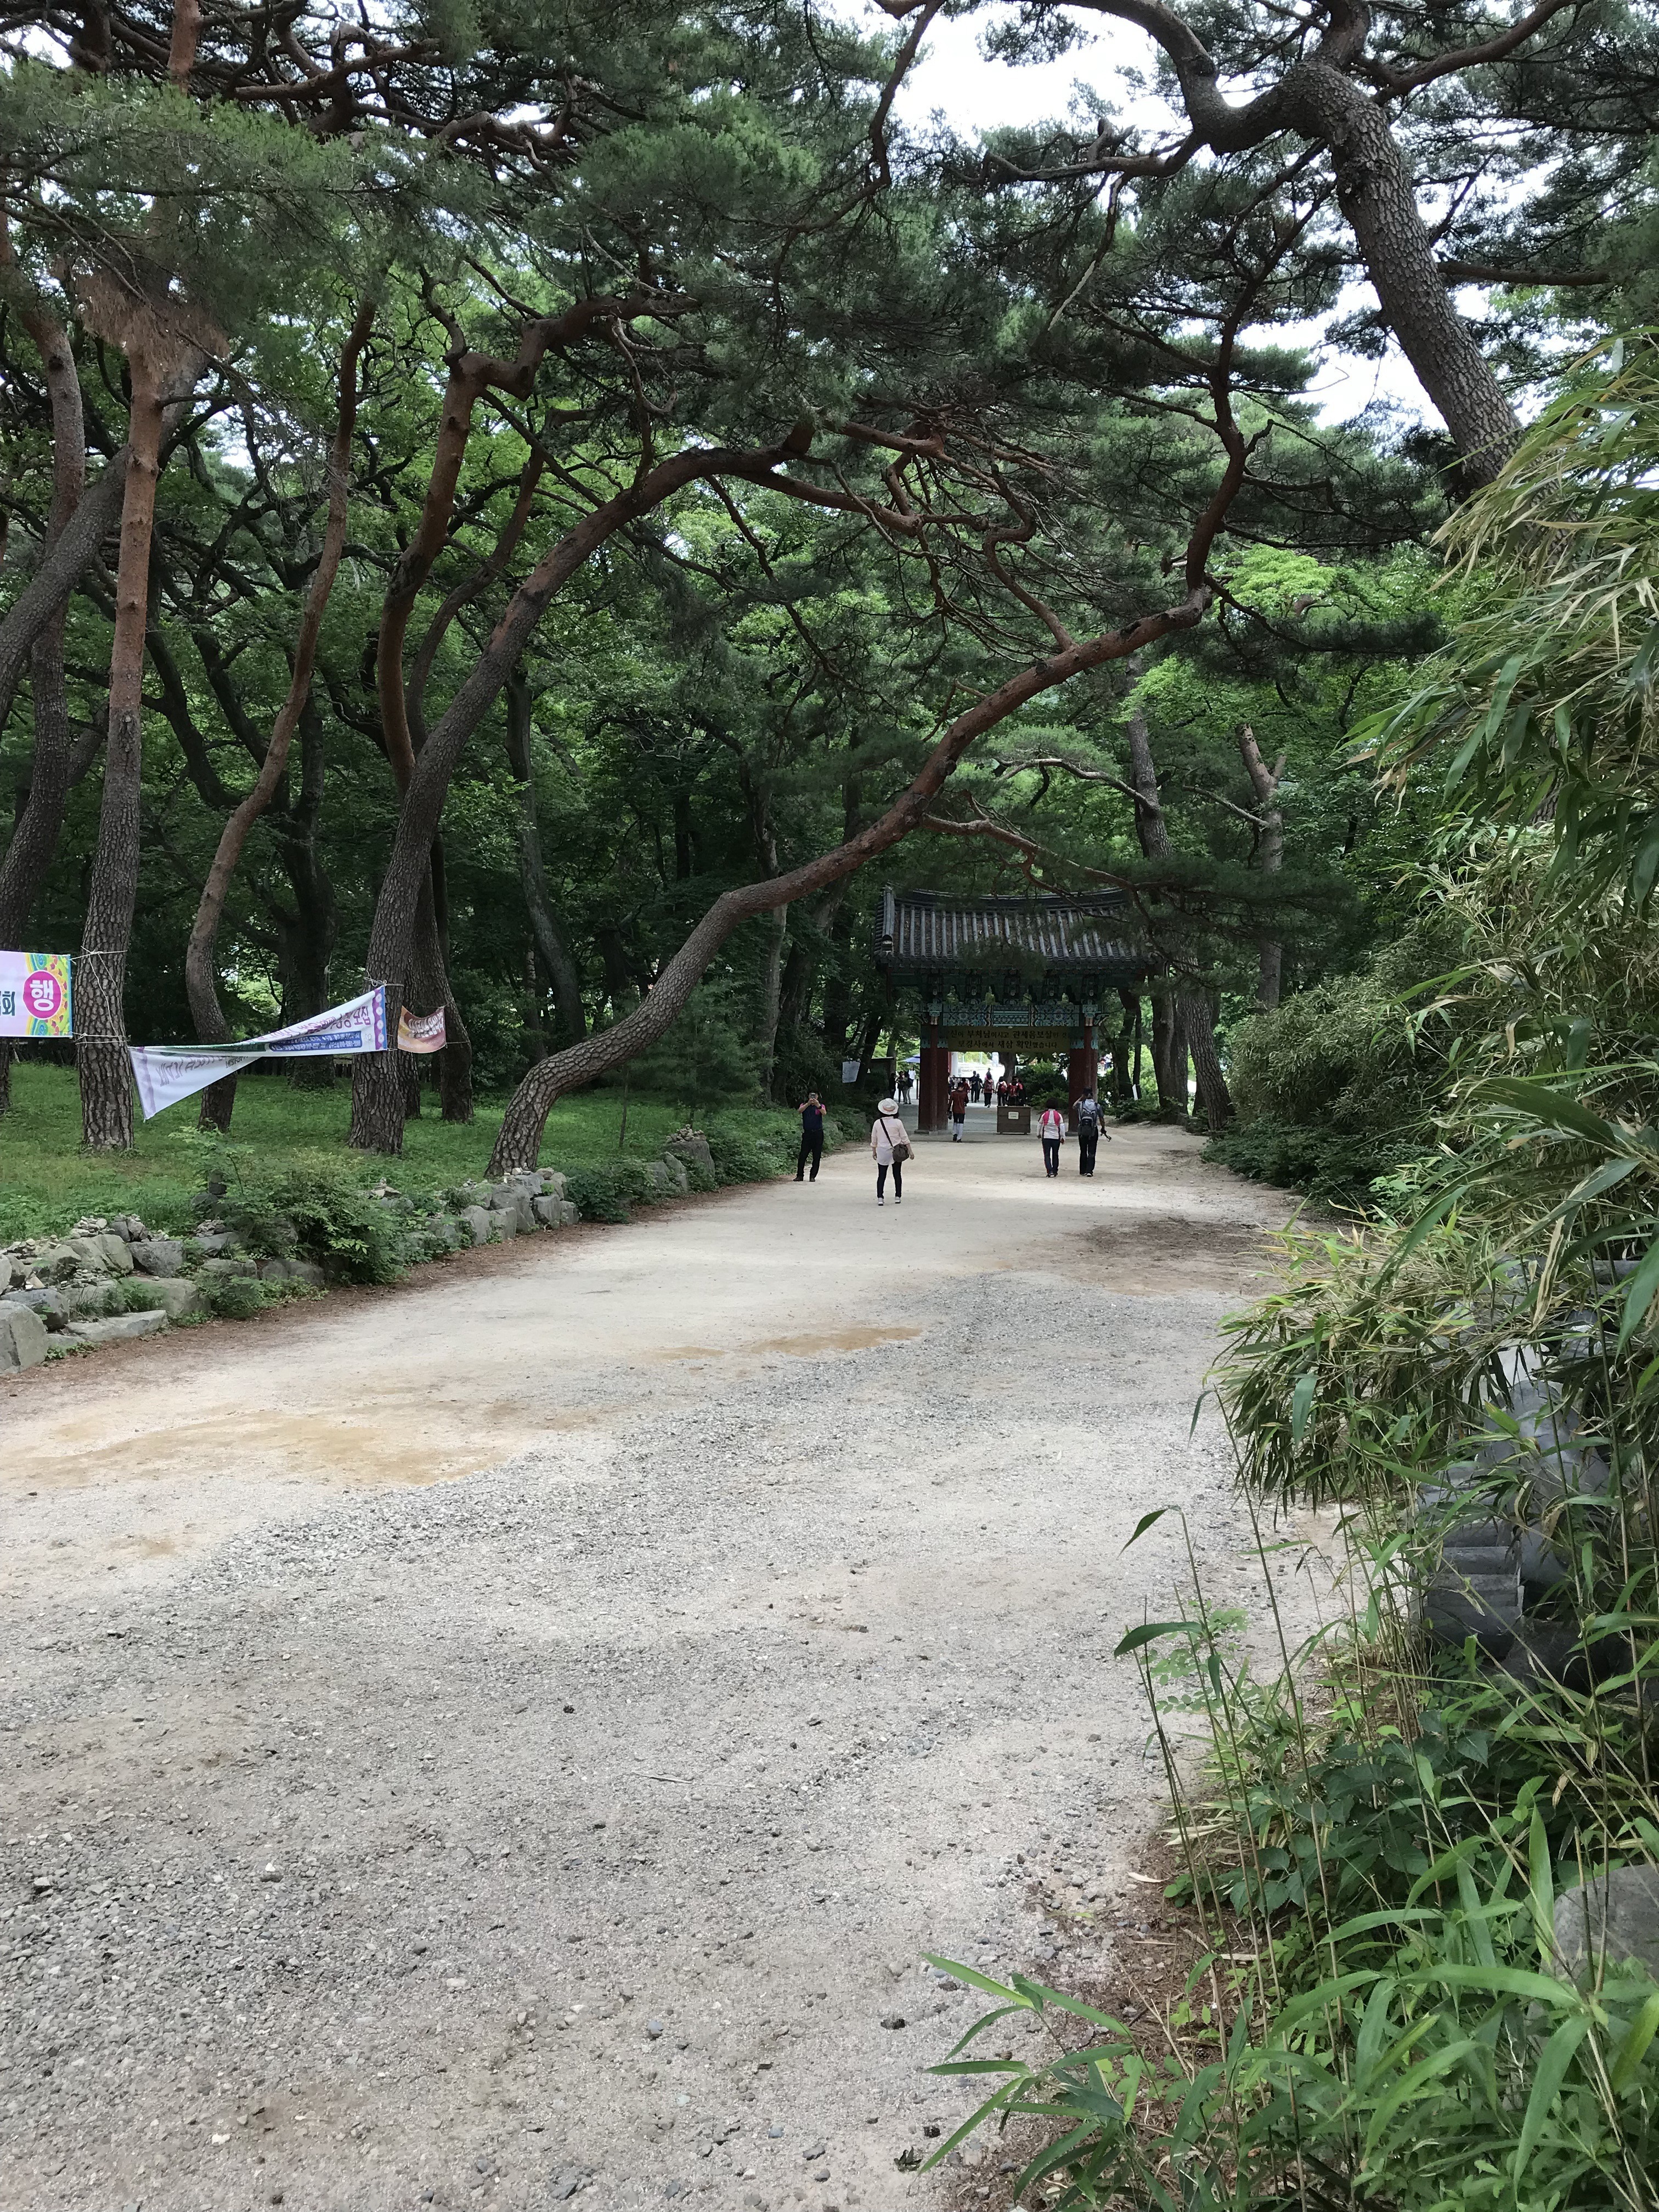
(1198, 1027)
(1270, 857)
(550, 944)
(1190, 1022)
(1169, 1053)
(34, 835)
(105, 1074)
(306, 937)
(771, 996)
(218, 1104)
(1374, 192)
(1123, 1069)
(200, 980)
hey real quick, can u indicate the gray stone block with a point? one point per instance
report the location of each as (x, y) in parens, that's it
(553, 1184)
(1485, 1606)
(214, 1243)
(48, 1305)
(23, 1340)
(292, 1271)
(88, 1301)
(1614, 1918)
(119, 1329)
(693, 1150)
(442, 1232)
(221, 1270)
(159, 1255)
(175, 1296)
(55, 1263)
(512, 1201)
(479, 1221)
(11, 1270)
(679, 1180)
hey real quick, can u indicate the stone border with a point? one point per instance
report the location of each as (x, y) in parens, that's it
(110, 1280)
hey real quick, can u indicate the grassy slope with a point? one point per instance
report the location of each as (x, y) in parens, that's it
(48, 1182)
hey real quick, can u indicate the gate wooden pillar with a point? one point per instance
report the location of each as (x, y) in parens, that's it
(1082, 1069)
(933, 1103)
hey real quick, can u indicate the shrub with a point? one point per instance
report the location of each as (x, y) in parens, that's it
(232, 1297)
(600, 1194)
(324, 1210)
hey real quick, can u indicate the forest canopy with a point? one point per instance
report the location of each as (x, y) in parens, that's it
(547, 510)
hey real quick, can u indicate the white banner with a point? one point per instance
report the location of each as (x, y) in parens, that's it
(165, 1076)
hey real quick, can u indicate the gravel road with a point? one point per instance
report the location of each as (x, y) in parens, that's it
(510, 1738)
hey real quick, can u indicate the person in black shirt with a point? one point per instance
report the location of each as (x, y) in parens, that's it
(1089, 1132)
(812, 1136)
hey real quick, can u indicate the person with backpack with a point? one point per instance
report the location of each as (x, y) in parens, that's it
(1088, 1132)
(890, 1147)
(812, 1136)
(1051, 1129)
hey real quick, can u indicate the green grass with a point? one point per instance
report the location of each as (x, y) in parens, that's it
(48, 1182)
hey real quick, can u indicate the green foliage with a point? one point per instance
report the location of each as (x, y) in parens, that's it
(801, 1065)
(754, 1147)
(1338, 1085)
(607, 1192)
(1378, 1839)
(1546, 696)
(235, 1297)
(48, 1182)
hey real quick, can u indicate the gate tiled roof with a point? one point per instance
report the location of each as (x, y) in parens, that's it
(927, 931)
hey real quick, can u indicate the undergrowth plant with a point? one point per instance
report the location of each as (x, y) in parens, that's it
(1382, 2013)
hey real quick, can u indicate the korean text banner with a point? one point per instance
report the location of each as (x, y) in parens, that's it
(35, 999)
(165, 1076)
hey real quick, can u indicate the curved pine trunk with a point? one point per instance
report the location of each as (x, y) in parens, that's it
(105, 1074)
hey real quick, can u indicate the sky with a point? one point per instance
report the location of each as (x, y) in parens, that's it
(953, 78)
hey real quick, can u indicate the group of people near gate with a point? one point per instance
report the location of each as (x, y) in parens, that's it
(979, 1090)
(890, 1140)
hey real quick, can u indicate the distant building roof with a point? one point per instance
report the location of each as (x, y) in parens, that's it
(928, 932)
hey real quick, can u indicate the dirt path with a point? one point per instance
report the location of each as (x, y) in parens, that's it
(515, 1734)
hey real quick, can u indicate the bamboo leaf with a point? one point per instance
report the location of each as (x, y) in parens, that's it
(1552, 2064)
(1639, 1297)
(1634, 2048)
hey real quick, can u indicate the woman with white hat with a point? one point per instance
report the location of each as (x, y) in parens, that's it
(890, 1147)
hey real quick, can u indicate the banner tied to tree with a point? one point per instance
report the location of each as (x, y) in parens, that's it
(36, 995)
(165, 1074)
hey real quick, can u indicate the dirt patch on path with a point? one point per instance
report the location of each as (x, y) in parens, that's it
(455, 1753)
(1148, 1255)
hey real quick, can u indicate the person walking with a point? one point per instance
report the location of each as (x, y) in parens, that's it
(959, 1110)
(973, 1086)
(1089, 1132)
(1051, 1128)
(812, 1136)
(890, 1147)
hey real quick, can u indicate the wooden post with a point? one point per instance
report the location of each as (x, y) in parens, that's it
(934, 1099)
